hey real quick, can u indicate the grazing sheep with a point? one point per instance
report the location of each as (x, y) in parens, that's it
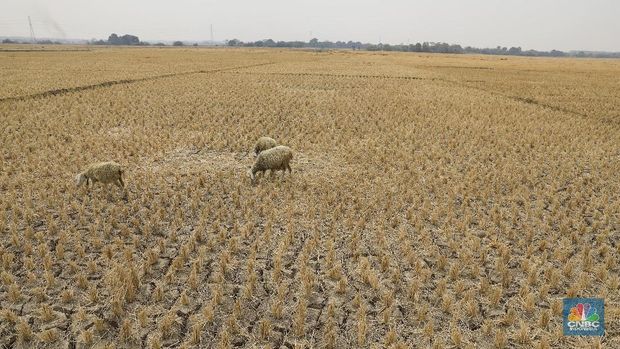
(104, 172)
(264, 143)
(274, 159)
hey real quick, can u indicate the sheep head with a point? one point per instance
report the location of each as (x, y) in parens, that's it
(80, 179)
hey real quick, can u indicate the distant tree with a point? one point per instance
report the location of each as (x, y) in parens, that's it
(159, 44)
(9, 41)
(456, 49)
(556, 53)
(177, 43)
(47, 42)
(130, 39)
(113, 39)
(126, 39)
(514, 51)
(234, 42)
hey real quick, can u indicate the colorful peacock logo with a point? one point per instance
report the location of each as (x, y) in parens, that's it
(583, 312)
(583, 317)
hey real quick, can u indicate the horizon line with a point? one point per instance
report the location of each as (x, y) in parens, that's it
(224, 41)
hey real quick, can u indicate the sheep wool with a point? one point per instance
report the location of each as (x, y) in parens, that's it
(274, 159)
(263, 144)
(104, 172)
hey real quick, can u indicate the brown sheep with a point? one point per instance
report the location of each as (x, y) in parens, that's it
(104, 172)
(263, 144)
(274, 159)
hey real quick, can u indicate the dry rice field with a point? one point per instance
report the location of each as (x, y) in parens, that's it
(435, 201)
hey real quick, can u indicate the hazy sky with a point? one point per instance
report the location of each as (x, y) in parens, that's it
(536, 24)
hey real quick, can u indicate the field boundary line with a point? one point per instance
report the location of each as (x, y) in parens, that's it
(457, 83)
(525, 100)
(333, 75)
(66, 90)
(35, 50)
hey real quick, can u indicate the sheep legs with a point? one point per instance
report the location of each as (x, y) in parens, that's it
(286, 167)
(272, 172)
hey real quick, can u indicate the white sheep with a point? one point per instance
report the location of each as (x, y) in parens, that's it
(104, 172)
(263, 144)
(274, 159)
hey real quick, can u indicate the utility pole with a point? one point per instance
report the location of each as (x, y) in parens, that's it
(32, 37)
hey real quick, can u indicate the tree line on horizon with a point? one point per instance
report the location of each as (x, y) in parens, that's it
(429, 47)
(130, 40)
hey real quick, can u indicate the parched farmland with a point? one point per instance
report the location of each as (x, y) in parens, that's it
(435, 201)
